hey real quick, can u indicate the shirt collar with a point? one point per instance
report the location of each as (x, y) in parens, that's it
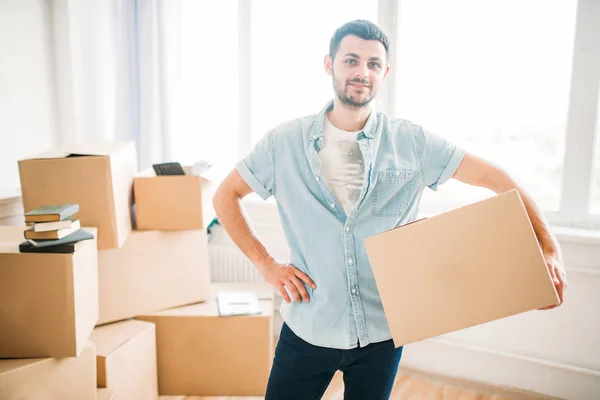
(369, 130)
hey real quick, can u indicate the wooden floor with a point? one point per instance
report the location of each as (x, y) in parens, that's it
(408, 386)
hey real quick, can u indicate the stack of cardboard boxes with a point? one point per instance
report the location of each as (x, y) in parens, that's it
(133, 311)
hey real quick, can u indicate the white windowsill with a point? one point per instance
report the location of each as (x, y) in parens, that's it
(267, 210)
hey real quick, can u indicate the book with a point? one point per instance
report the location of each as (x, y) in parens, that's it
(55, 234)
(78, 235)
(51, 212)
(51, 226)
(238, 303)
(27, 247)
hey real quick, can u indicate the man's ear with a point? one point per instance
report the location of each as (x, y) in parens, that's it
(387, 69)
(328, 64)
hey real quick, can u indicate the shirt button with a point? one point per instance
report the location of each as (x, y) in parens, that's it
(397, 173)
(314, 136)
(317, 178)
(353, 291)
(350, 261)
(347, 229)
(332, 205)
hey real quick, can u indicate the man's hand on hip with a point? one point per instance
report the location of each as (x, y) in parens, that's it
(282, 276)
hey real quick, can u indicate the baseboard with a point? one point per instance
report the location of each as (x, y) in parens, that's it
(508, 375)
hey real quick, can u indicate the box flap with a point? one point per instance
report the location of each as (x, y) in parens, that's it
(54, 153)
(110, 337)
(97, 148)
(82, 149)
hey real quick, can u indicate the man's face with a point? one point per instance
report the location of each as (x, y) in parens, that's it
(357, 70)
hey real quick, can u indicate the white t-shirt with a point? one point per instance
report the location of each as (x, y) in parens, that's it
(342, 165)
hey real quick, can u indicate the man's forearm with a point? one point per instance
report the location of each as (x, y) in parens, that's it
(231, 215)
(540, 225)
(502, 183)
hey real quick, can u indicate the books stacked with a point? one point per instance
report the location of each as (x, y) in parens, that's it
(53, 229)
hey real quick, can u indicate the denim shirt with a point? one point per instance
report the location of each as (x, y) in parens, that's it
(401, 160)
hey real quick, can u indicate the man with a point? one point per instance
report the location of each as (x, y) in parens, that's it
(340, 176)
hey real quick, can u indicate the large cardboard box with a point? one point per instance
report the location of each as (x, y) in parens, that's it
(203, 354)
(153, 270)
(126, 359)
(70, 378)
(48, 302)
(97, 176)
(472, 265)
(175, 202)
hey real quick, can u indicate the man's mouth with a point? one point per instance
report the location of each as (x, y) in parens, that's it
(359, 85)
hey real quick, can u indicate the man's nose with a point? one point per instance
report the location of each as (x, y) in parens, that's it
(363, 72)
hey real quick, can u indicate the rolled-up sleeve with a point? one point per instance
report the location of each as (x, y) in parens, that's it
(440, 159)
(258, 167)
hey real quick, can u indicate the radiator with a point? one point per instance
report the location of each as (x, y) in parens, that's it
(229, 265)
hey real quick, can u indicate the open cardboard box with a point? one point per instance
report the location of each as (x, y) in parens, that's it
(174, 202)
(472, 265)
(97, 176)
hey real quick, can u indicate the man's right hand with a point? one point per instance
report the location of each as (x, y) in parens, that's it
(281, 275)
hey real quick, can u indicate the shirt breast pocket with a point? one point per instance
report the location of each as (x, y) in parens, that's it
(393, 191)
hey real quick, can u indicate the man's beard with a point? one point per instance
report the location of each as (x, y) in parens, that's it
(345, 98)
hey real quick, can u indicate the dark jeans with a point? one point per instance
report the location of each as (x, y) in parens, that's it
(303, 371)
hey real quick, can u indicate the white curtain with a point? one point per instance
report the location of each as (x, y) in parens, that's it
(117, 68)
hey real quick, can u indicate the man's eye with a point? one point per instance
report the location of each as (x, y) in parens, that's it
(350, 61)
(375, 65)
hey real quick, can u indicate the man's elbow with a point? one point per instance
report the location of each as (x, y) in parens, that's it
(222, 196)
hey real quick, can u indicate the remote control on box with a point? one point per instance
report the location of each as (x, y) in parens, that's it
(168, 168)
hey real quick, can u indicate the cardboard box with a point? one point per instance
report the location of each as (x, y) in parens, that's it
(168, 203)
(153, 271)
(203, 354)
(472, 265)
(126, 359)
(70, 378)
(48, 302)
(96, 176)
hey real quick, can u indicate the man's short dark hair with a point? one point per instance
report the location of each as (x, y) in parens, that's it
(363, 29)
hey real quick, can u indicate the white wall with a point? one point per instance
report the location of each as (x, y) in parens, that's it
(27, 94)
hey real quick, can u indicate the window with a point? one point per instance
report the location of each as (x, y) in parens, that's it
(209, 90)
(477, 73)
(288, 43)
(509, 80)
